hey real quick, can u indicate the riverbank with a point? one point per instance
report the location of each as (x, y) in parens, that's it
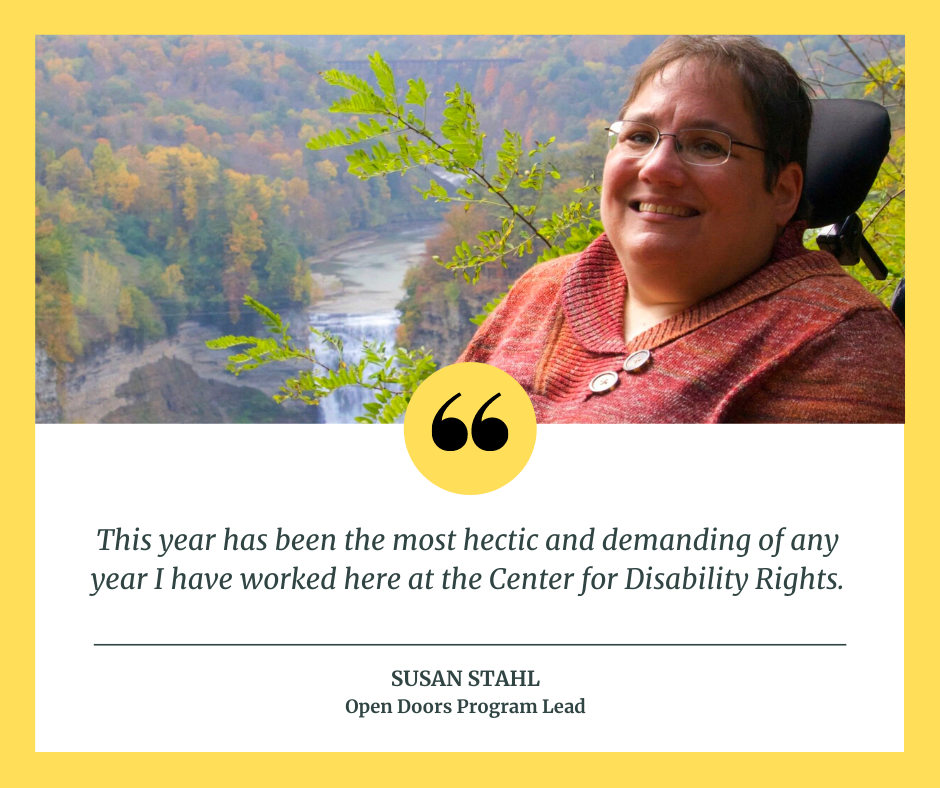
(370, 268)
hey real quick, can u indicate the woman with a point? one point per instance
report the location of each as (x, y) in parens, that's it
(700, 303)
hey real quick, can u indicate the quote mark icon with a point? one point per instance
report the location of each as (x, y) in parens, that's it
(450, 434)
(448, 454)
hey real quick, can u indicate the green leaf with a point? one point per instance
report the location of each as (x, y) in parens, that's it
(271, 320)
(417, 92)
(223, 343)
(385, 78)
(343, 79)
(360, 103)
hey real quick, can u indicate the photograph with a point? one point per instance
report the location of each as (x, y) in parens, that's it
(302, 229)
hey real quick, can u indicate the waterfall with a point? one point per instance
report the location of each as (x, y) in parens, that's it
(343, 406)
(362, 280)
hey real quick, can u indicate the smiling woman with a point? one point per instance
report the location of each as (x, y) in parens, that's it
(700, 303)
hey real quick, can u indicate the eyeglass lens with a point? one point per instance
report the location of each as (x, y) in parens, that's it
(695, 146)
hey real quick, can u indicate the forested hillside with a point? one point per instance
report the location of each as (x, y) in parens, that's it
(172, 179)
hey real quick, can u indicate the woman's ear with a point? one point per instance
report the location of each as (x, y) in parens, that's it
(786, 193)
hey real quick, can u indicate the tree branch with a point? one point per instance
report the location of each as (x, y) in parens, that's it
(867, 70)
(881, 208)
(810, 63)
(477, 174)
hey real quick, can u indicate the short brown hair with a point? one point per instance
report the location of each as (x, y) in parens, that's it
(775, 95)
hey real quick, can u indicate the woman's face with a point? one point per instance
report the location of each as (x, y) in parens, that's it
(723, 222)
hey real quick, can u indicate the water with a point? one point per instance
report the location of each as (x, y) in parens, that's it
(371, 272)
(344, 405)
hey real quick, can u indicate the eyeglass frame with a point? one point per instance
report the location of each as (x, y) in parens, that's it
(660, 134)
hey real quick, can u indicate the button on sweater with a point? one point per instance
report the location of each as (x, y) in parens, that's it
(799, 340)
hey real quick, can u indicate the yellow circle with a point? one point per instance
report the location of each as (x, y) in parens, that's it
(475, 442)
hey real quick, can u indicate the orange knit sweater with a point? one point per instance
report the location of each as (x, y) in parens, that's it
(797, 341)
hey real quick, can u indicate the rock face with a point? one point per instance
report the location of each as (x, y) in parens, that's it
(48, 410)
(88, 390)
(169, 391)
(445, 328)
(437, 309)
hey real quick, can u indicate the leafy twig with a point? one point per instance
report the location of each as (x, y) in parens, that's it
(881, 208)
(391, 377)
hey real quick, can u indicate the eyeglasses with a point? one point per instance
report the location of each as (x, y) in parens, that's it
(702, 147)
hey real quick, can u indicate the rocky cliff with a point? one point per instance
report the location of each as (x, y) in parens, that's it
(169, 391)
(437, 308)
(443, 325)
(104, 386)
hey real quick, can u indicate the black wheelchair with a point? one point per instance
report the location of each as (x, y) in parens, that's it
(848, 142)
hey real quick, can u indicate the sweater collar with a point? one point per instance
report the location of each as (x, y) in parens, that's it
(594, 288)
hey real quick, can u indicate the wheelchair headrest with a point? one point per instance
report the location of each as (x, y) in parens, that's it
(847, 143)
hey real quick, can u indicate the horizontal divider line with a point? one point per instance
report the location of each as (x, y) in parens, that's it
(467, 645)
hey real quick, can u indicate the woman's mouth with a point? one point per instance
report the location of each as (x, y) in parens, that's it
(670, 210)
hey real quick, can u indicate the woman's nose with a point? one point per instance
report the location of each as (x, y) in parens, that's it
(662, 164)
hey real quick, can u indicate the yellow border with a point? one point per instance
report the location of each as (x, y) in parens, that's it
(22, 766)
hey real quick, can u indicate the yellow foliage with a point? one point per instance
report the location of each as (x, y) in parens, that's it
(65, 208)
(261, 192)
(245, 239)
(126, 309)
(111, 177)
(304, 288)
(123, 189)
(70, 171)
(297, 190)
(190, 205)
(100, 291)
(326, 169)
(56, 327)
(238, 180)
(190, 169)
(171, 279)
